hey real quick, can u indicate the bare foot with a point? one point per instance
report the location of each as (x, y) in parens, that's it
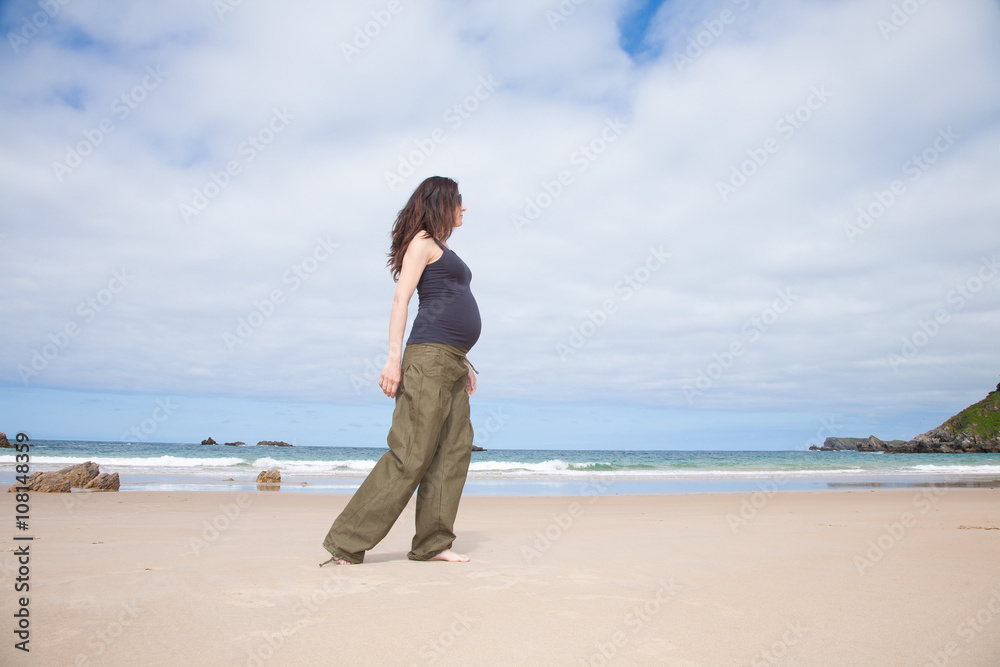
(450, 556)
(336, 561)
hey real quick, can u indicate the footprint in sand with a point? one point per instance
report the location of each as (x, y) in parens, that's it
(495, 581)
(82, 603)
(654, 646)
(246, 599)
(579, 577)
(415, 587)
(62, 635)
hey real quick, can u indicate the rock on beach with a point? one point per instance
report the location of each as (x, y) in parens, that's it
(80, 476)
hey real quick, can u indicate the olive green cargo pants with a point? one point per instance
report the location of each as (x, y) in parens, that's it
(430, 445)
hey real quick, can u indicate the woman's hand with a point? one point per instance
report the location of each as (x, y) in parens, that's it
(470, 383)
(390, 378)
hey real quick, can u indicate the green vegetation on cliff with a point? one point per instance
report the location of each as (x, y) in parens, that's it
(981, 419)
(976, 429)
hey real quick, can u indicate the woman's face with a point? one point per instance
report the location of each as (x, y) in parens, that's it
(459, 211)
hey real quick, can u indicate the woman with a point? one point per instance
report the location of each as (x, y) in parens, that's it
(430, 441)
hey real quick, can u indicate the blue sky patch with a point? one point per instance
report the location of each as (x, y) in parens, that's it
(634, 26)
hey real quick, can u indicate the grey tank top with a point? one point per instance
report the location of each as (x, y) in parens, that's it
(447, 312)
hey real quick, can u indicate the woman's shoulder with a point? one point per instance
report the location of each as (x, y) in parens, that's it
(422, 240)
(423, 245)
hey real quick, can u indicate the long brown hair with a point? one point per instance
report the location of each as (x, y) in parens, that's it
(431, 208)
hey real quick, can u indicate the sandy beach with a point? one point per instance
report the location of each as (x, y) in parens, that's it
(860, 577)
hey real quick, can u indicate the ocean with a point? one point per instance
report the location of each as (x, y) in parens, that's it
(181, 466)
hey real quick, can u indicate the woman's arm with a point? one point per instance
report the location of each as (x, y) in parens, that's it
(418, 255)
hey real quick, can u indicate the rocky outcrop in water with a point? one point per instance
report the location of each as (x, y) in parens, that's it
(976, 429)
(869, 444)
(273, 443)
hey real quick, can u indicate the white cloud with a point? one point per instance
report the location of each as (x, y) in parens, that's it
(653, 184)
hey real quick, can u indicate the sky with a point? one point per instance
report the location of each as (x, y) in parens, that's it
(691, 224)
